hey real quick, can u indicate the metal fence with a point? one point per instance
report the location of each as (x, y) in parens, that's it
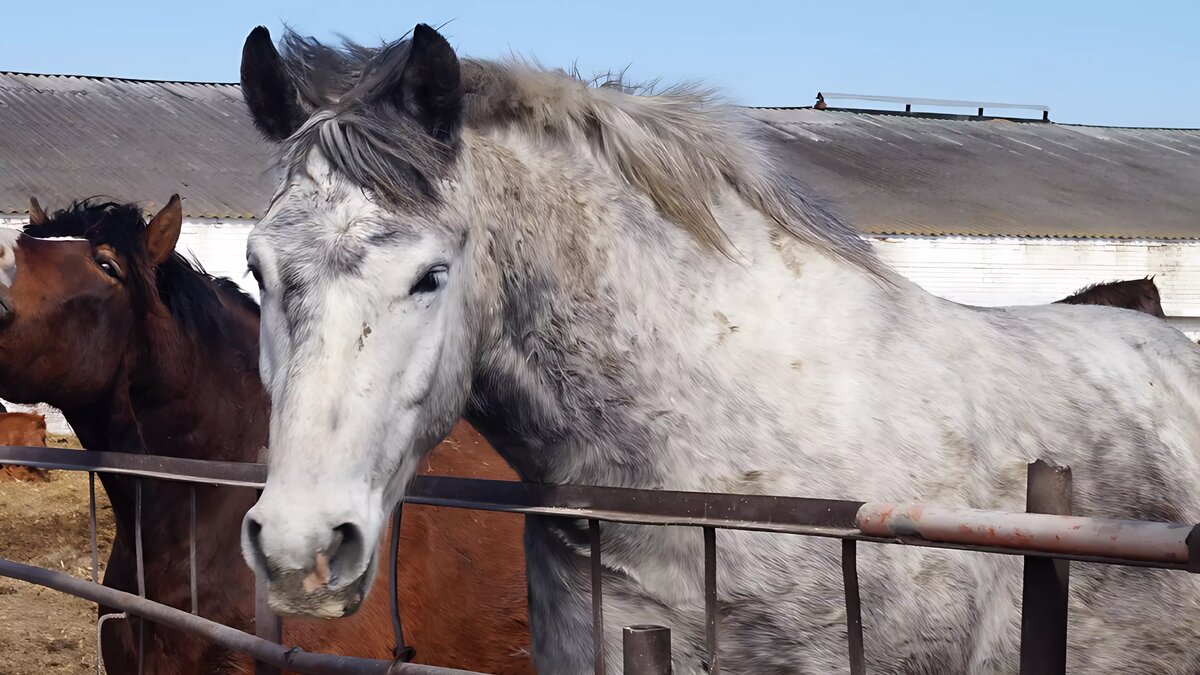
(1047, 536)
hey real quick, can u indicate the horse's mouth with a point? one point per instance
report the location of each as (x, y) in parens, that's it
(290, 599)
(294, 593)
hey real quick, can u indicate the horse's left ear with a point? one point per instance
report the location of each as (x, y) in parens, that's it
(37, 215)
(162, 233)
(430, 86)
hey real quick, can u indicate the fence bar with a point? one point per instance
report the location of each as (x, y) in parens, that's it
(92, 526)
(295, 660)
(266, 624)
(1047, 581)
(597, 598)
(141, 571)
(710, 602)
(1160, 545)
(647, 650)
(192, 552)
(854, 631)
(1095, 539)
(400, 651)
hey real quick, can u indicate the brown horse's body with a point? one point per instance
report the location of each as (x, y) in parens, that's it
(22, 429)
(1137, 294)
(133, 372)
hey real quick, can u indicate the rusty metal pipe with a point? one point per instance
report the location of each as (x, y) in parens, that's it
(294, 660)
(1048, 534)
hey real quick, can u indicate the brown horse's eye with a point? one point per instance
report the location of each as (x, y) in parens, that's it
(109, 267)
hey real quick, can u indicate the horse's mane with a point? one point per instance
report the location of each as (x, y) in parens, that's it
(681, 146)
(190, 294)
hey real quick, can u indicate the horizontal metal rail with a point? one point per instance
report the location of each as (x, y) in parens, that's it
(293, 659)
(1096, 538)
(940, 103)
(1117, 542)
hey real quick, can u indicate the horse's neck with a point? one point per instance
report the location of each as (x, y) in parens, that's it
(643, 356)
(190, 402)
(201, 402)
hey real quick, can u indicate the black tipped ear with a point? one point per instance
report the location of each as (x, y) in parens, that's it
(268, 89)
(430, 87)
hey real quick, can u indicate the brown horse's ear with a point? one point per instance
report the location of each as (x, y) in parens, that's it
(36, 215)
(163, 232)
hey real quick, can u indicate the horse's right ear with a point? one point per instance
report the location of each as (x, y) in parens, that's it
(36, 215)
(430, 86)
(268, 88)
(162, 232)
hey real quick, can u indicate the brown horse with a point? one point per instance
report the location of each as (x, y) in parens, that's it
(1136, 294)
(22, 429)
(145, 353)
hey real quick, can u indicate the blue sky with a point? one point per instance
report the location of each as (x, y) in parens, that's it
(1099, 62)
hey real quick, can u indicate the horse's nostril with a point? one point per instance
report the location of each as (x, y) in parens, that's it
(254, 538)
(346, 552)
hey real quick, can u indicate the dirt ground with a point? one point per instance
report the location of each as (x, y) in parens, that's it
(46, 524)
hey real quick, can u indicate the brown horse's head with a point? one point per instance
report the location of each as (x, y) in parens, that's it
(81, 284)
(1137, 294)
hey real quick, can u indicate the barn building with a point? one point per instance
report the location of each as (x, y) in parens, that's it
(984, 210)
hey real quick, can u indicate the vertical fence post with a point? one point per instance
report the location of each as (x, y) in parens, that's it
(1047, 580)
(854, 631)
(192, 552)
(647, 650)
(711, 613)
(141, 572)
(597, 598)
(266, 623)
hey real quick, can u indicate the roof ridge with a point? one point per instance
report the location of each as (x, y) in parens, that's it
(119, 79)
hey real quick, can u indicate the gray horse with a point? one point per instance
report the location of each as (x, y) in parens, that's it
(625, 290)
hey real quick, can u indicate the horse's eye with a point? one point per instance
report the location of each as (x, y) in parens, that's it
(109, 267)
(430, 281)
(257, 277)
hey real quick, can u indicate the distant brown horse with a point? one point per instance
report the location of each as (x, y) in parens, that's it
(22, 429)
(145, 353)
(1137, 294)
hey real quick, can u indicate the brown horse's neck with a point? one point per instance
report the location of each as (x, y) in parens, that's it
(180, 397)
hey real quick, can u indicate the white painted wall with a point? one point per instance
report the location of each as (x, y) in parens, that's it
(972, 270)
(997, 271)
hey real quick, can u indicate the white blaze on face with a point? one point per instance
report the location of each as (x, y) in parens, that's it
(8, 255)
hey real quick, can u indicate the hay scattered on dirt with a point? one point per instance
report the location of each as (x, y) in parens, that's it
(46, 524)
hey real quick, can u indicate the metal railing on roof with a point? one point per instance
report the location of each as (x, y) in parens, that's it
(909, 101)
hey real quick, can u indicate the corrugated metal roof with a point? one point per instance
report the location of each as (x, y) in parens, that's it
(65, 137)
(899, 174)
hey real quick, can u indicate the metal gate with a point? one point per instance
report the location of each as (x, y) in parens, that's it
(1047, 536)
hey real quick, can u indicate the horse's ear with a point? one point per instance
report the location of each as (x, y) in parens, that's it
(36, 215)
(268, 88)
(162, 233)
(430, 86)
